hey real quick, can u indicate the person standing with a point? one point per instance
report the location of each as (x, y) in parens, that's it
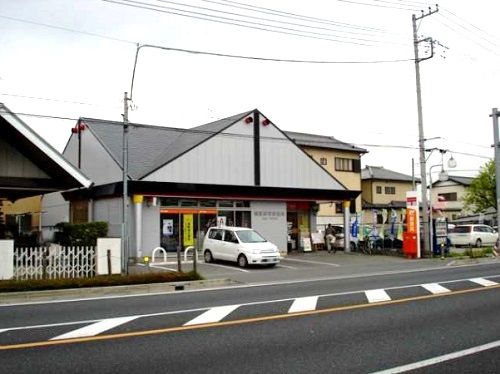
(329, 238)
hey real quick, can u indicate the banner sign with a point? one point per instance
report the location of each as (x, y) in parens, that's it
(188, 230)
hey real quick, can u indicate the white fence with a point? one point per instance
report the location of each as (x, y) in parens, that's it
(54, 262)
(60, 262)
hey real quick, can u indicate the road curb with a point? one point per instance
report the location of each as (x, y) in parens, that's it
(92, 292)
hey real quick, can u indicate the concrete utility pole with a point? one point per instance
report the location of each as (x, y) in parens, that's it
(125, 246)
(495, 114)
(421, 139)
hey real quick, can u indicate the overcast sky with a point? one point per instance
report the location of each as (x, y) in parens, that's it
(74, 58)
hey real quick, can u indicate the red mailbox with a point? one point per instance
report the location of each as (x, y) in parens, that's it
(410, 244)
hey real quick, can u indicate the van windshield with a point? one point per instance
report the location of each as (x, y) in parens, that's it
(250, 236)
(462, 229)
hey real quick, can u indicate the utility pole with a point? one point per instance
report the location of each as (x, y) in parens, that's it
(125, 241)
(421, 139)
(495, 114)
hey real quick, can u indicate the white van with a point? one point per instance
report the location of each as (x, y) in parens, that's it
(239, 244)
(473, 235)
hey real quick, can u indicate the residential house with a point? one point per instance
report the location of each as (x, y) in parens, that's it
(343, 161)
(448, 196)
(383, 189)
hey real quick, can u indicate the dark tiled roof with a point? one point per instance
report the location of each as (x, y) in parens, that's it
(379, 173)
(322, 141)
(464, 181)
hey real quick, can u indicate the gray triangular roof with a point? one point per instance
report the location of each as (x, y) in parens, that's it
(379, 173)
(151, 147)
(322, 141)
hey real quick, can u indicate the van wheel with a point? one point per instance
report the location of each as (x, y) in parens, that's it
(208, 256)
(242, 261)
(479, 243)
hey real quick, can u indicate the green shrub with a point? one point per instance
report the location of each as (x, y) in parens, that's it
(80, 233)
(99, 281)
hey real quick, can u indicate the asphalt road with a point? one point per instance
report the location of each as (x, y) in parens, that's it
(358, 324)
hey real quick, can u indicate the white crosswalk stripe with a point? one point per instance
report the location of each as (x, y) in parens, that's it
(483, 282)
(303, 304)
(95, 328)
(435, 288)
(376, 296)
(212, 315)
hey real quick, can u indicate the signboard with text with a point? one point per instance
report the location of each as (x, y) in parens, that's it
(411, 237)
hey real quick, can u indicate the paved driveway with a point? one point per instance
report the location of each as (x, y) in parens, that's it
(315, 265)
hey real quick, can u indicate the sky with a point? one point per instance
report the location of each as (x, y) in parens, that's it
(65, 59)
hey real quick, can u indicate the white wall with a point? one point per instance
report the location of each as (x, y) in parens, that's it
(269, 219)
(226, 158)
(96, 162)
(114, 246)
(6, 259)
(150, 229)
(283, 164)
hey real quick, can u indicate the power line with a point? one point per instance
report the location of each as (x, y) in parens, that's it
(468, 31)
(474, 26)
(465, 35)
(292, 15)
(330, 140)
(51, 99)
(379, 5)
(232, 21)
(273, 59)
(201, 52)
(263, 19)
(67, 29)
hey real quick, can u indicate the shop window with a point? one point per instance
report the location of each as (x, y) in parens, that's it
(208, 203)
(379, 189)
(390, 190)
(226, 204)
(188, 203)
(242, 204)
(163, 201)
(243, 218)
(79, 211)
(323, 161)
(228, 219)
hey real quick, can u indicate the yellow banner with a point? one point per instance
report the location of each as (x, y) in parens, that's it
(188, 229)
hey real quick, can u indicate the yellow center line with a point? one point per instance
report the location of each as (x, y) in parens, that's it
(237, 322)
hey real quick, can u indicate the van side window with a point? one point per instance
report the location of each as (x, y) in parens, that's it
(230, 237)
(215, 234)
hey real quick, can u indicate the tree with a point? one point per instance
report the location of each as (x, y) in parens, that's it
(481, 194)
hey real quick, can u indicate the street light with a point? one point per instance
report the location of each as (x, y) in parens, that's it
(443, 177)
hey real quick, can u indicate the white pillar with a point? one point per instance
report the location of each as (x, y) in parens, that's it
(6, 259)
(108, 263)
(347, 226)
(138, 199)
